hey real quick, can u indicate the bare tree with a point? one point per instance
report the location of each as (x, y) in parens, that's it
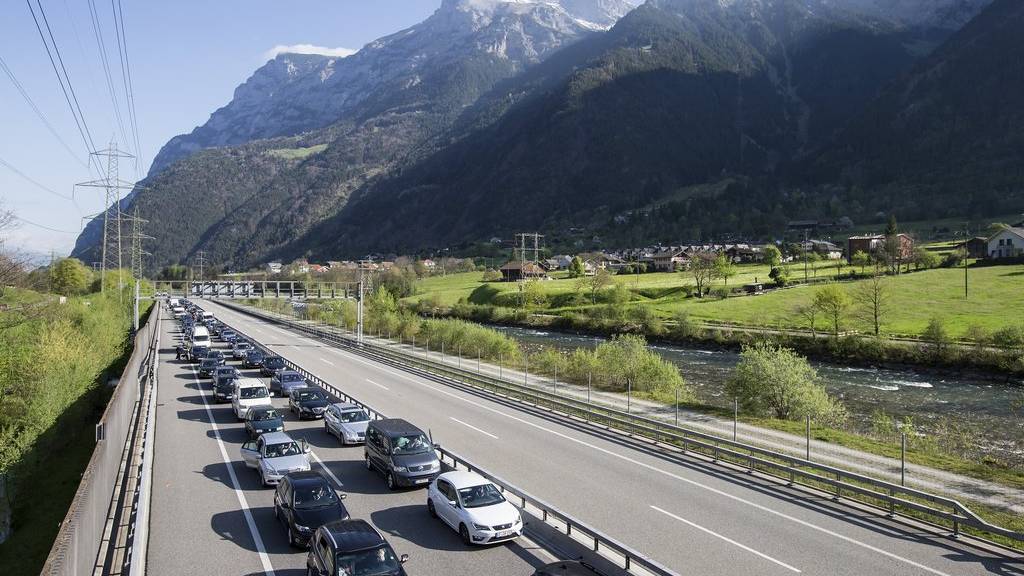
(873, 301)
(12, 264)
(702, 268)
(810, 313)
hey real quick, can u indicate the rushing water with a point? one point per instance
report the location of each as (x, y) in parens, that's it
(927, 397)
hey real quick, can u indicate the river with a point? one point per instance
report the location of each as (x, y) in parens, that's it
(989, 407)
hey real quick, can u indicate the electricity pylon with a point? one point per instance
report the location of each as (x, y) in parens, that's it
(136, 238)
(112, 216)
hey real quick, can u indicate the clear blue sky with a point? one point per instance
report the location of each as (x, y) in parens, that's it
(186, 58)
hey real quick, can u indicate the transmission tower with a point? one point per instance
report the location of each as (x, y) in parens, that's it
(200, 263)
(136, 239)
(112, 215)
(529, 243)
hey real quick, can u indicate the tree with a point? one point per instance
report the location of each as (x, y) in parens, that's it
(872, 298)
(775, 382)
(924, 258)
(625, 363)
(69, 277)
(702, 269)
(533, 294)
(834, 303)
(937, 336)
(599, 281)
(724, 268)
(860, 258)
(577, 268)
(772, 256)
(492, 275)
(810, 313)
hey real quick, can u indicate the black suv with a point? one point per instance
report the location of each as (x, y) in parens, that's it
(401, 452)
(305, 501)
(307, 403)
(271, 364)
(352, 547)
(253, 359)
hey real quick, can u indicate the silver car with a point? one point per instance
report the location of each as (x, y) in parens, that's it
(274, 455)
(346, 421)
(240, 349)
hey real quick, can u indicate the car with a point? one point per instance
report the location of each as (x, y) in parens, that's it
(207, 366)
(307, 402)
(253, 359)
(274, 455)
(228, 336)
(240, 349)
(248, 392)
(474, 507)
(305, 501)
(200, 337)
(401, 452)
(352, 547)
(346, 421)
(197, 353)
(282, 382)
(271, 364)
(567, 568)
(262, 419)
(224, 383)
(218, 355)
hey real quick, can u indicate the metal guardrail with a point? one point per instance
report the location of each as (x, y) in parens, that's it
(76, 549)
(895, 499)
(598, 540)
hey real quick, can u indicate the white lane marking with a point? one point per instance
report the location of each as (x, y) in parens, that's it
(378, 385)
(473, 428)
(652, 468)
(256, 538)
(729, 540)
(326, 469)
(326, 361)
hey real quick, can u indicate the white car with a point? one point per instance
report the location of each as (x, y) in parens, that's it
(474, 507)
(275, 455)
(346, 421)
(249, 392)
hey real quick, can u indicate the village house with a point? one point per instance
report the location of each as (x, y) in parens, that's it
(1007, 243)
(827, 250)
(873, 244)
(274, 267)
(516, 270)
(977, 247)
(670, 259)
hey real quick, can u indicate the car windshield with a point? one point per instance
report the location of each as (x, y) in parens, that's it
(411, 444)
(354, 416)
(241, 346)
(282, 450)
(368, 562)
(479, 496)
(261, 415)
(309, 395)
(253, 392)
(254, 354)
(209, 363)
(274, 361)
(316, 496)
(224, 371)
(291, 377)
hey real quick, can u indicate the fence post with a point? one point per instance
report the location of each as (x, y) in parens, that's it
(526, 369)
(735, 416)
(499, 365)
(478, 360)
(460, 356)
(677, 406)
(808, 437)
(589, 407)
(442, 351)
(903, 459)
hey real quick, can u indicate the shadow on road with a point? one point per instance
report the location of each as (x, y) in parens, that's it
(414, 524)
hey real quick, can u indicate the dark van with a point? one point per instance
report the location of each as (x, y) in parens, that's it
(402, 452)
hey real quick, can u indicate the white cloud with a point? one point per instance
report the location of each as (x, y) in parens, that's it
(308, 49)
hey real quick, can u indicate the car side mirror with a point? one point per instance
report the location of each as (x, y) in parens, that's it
(285, 505)
(343, 496)
(305, 447)
(437, 446)
(453, 503)
(403, 558)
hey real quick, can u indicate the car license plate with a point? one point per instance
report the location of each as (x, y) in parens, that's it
(422, 480)
(504, 533)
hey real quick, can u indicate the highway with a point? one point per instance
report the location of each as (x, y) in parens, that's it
(210, 514)
(696, 517)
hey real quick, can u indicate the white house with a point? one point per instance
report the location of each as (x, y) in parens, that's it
(274, 267)
(1007, 243)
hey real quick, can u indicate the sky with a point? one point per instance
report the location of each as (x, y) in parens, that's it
(185, 58)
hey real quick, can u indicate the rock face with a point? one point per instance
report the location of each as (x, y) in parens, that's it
(295, 93)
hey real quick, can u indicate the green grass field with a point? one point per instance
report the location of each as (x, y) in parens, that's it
(996, 297)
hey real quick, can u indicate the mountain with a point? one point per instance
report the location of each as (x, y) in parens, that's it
(295, 93)
(947, 139)
(680, 93)
(329, 124)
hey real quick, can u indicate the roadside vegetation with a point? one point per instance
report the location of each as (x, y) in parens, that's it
(55, 361)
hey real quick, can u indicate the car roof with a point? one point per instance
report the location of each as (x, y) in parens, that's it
(352, 535)
(284, 371)
(347, 406)
(395, 426)
(262, 408)
(276, 438)
(248, 382)
(305, 477)
(463, 479)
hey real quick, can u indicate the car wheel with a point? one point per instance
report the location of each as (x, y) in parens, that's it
(430, 508)
(263, 479)
(328, 429)
(277, 513)
(464, 534)
(291, 538)
(391, 481)
(369, 465)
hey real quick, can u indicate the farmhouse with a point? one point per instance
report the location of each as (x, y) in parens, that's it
(1007, 243)
(516, 270)
(874, 244)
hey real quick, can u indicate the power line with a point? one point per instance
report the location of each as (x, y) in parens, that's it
(37, 225)
(97, 32)
(42, 187)
(126, 75)
(68, 90)
(39, 113)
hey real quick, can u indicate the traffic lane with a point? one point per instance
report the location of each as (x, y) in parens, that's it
(812, 525)
(183, 498)
(400, 515)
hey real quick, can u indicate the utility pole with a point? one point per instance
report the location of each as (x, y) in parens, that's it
(136, 238)
(112, 216)
(967, 253)
(363, 267)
